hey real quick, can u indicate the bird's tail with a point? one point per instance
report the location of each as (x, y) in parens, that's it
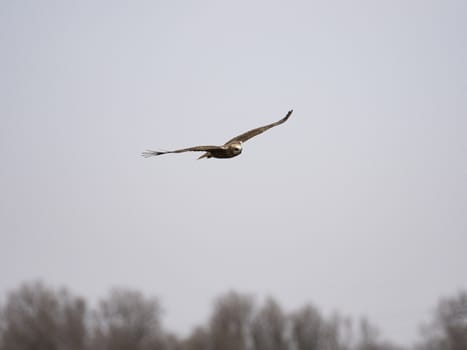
(149, 153)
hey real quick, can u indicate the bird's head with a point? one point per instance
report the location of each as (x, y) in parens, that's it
(236, 147)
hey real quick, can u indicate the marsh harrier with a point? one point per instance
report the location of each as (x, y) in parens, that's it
(230, 149)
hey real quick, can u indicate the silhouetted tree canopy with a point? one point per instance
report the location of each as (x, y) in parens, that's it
(127, 320)
(37, 317)
(448, 329)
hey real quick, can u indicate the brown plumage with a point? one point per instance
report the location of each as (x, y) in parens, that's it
(229, 149)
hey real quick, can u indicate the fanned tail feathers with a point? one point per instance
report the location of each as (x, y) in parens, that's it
(150, 153)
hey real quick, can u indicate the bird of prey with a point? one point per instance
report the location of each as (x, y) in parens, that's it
(230, 149)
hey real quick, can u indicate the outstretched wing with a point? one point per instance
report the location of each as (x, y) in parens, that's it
(150, 153)
(252, 133)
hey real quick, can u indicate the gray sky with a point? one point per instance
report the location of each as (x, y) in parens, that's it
(357, 203)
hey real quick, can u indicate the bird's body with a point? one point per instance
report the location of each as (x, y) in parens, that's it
(230, 149)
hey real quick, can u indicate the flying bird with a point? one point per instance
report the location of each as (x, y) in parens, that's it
(230, 149)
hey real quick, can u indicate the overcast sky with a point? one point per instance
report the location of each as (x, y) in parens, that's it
(358, 203)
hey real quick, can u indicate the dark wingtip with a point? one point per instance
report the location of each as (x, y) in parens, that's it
(287, 115)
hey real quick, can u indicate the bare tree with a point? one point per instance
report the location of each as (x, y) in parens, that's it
(336, 333)
(448, 330)
(128, 320)
(199, 339)
(169, 342)
(2, 326)
(368, 336)
(37, 317)
(307, 328)
(311, 331)
(269, 328)
(230, 324)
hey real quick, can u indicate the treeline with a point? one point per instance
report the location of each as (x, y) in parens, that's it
(37, 317)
